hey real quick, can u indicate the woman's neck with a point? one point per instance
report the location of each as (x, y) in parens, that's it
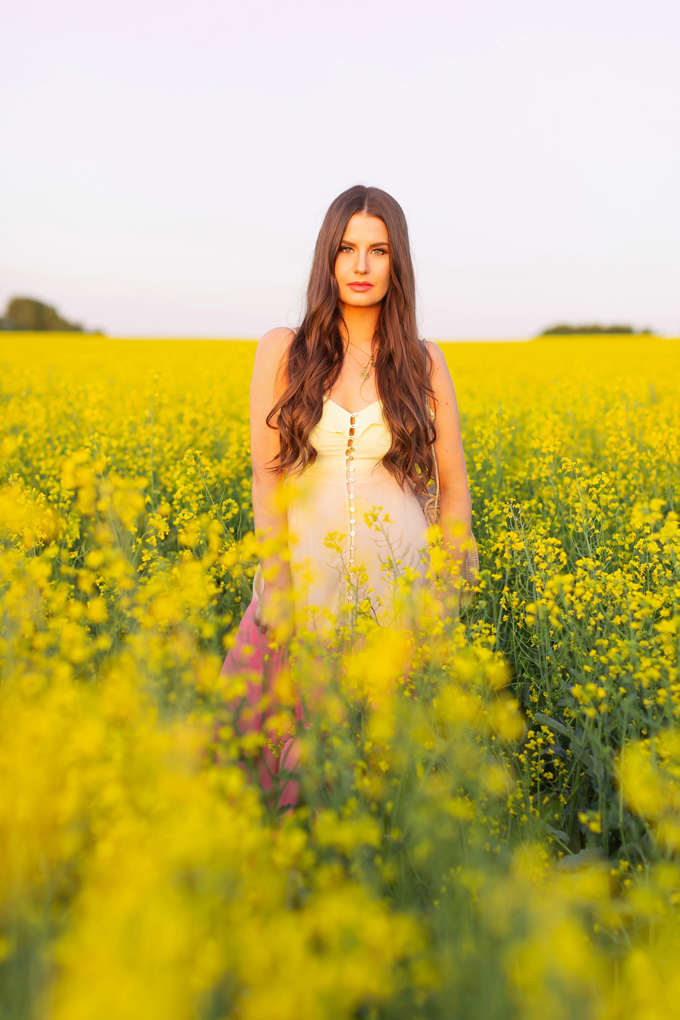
(360, 324)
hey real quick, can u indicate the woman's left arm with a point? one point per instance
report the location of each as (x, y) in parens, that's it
(456, 504)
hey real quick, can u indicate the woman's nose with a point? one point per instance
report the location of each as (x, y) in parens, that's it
(362, 264)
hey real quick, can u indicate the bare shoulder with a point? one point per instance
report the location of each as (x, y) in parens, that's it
(276, 341)
(438, 362)
(436, 356)
(269, 370)
(270, 359)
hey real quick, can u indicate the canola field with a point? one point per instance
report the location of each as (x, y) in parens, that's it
(494, 833)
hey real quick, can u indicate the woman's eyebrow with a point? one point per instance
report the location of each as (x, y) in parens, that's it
(373, 244)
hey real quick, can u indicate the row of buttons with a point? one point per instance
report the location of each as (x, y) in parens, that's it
(349, 454)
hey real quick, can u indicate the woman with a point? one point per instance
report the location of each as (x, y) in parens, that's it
(348, 413)
(342, 404)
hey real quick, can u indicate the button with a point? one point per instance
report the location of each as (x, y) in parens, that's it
(351, 468)
(352, 521)
(350, 598)
(352, 509)
(352, 534)
(351, 548)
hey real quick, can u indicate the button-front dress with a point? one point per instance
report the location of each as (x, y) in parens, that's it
(351, 527)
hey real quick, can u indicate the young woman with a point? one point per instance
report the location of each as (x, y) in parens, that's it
(348, 413)
(343, 406)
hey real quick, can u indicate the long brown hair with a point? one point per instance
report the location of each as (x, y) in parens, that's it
(316, 353)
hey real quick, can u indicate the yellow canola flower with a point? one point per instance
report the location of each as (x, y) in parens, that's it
(650, 784)
(346, 834)
(378, 663)
(130, 810)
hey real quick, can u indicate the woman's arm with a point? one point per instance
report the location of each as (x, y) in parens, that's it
(456, 504)
(267, 385)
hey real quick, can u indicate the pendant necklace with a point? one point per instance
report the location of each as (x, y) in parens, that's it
(365, 369)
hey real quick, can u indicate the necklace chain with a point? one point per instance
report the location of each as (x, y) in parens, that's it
(357, 346)
(365, 369)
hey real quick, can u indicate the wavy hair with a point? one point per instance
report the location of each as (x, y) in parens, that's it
(316, 352)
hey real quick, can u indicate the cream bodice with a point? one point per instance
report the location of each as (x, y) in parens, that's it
(350, 522)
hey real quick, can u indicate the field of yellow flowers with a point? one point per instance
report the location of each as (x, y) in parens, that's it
(492, 833)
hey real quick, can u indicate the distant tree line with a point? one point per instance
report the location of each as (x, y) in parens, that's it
(563, 329)
(33, 316)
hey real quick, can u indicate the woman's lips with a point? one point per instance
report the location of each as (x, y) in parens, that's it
(360, 286)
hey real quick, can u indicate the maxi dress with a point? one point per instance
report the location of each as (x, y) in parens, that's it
(376, 528)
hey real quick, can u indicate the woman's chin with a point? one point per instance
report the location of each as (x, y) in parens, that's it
(360, 300)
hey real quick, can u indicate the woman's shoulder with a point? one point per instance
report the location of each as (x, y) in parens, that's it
(276, 339)
(272, 351)
(440, 376)
(436, 353)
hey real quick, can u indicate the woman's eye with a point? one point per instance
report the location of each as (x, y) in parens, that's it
(345, 248)
(379, 251)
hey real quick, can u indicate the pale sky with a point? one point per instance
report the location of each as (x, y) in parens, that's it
(165, 166)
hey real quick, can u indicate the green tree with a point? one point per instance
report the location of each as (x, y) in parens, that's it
(564, 329)
(28, 314)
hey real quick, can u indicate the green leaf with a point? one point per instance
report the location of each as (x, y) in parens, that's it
(553, 724)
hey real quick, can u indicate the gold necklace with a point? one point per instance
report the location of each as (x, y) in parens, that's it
(365, 369)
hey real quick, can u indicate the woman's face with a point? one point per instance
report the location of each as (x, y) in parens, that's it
(362, 265)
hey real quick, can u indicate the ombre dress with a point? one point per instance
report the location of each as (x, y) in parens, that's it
(352, 529)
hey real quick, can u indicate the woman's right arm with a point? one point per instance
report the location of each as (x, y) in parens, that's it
(268, 383)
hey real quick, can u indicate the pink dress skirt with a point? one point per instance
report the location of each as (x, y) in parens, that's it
(252, 658)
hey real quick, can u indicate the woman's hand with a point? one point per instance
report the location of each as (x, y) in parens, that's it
(274, 607)
(452, 579)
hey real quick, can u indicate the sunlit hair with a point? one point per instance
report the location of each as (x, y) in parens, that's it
(316, 353)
